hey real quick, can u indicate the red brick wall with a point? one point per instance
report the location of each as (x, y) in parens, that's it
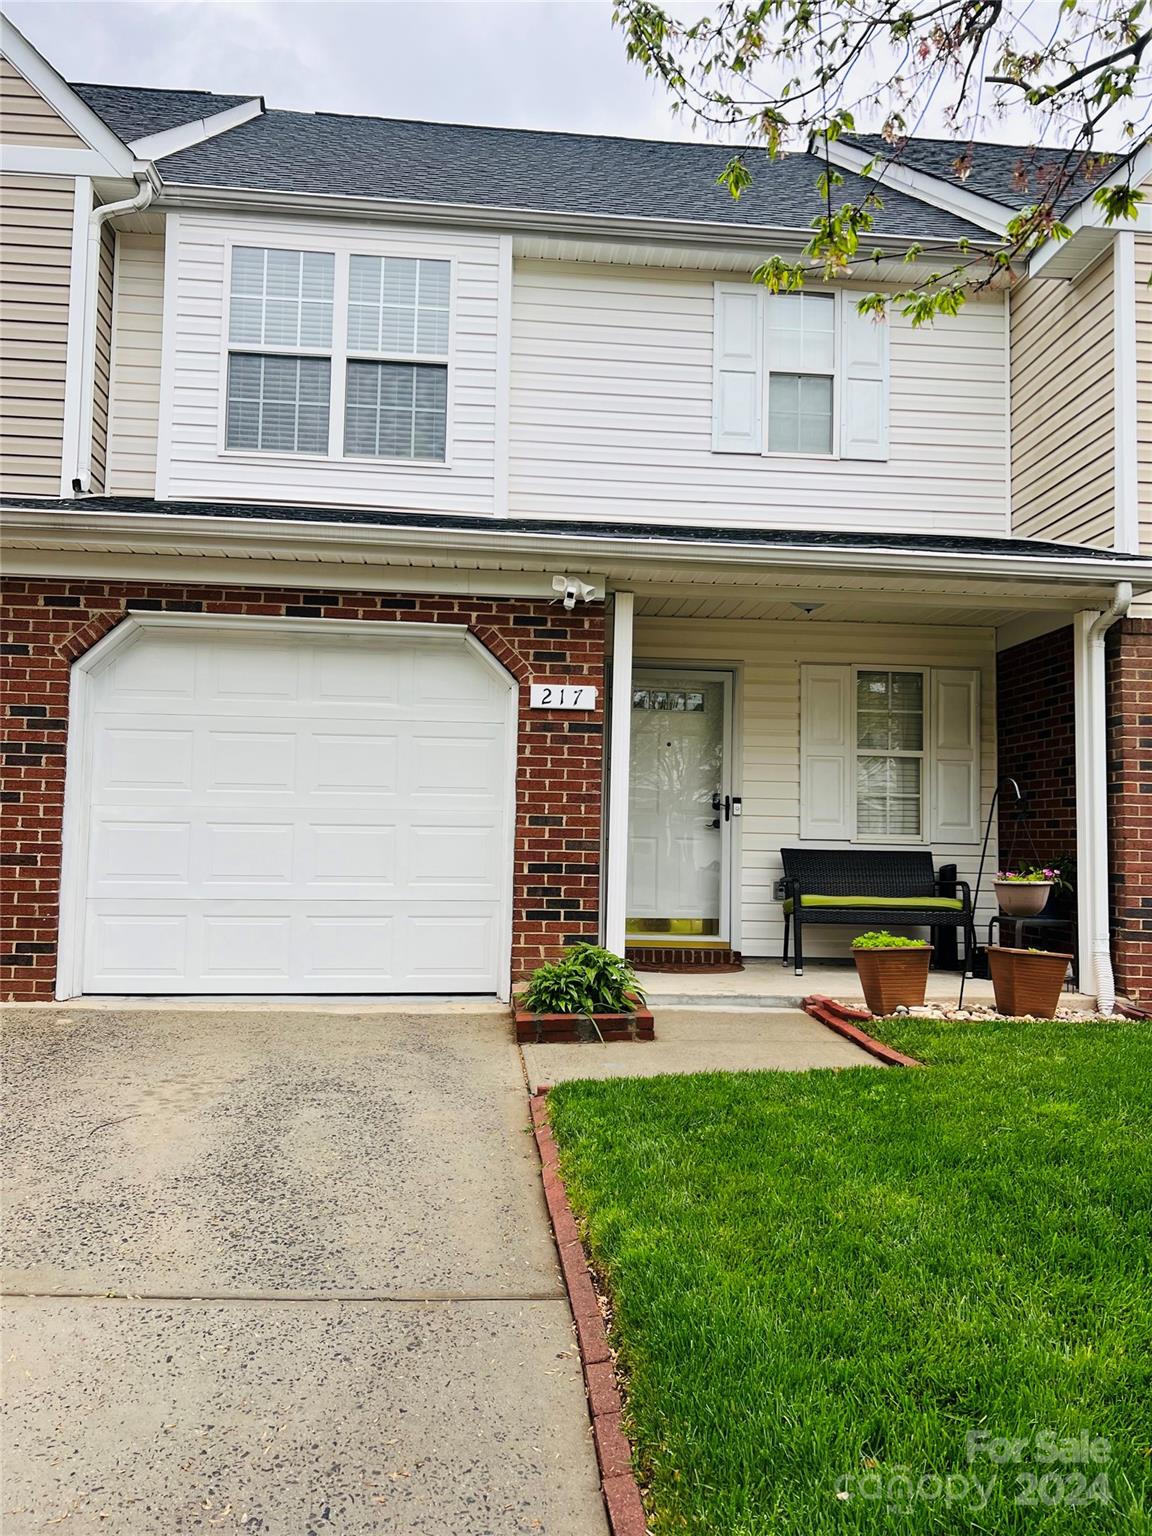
(1036, 725)
(1130, 792)
(46, 624)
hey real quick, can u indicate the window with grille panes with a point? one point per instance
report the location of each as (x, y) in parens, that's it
(283, 349)
(279, 350)
(890, 746)
(396, 398)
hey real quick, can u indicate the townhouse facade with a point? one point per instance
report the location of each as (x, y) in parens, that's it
(424, 546)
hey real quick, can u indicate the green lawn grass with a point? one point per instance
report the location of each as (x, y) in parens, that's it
(823, 1281)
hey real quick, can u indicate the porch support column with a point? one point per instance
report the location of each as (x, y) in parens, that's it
(1092, 890)
(619, 757)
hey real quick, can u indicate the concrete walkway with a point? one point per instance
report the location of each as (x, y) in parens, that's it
(282, 1272)
(703, 1040)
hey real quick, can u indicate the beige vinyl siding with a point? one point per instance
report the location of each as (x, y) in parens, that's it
(1063, 469)
(1144, 386)
(35, 261)
(768, 656)
(136, 333)
(103, 359)
(611, 415)
(26, 118)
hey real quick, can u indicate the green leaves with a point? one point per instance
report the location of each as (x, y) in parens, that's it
(588, 979)
(1121, 202)
(780, 73)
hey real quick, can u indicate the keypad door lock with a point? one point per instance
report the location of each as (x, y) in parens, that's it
(731, 805)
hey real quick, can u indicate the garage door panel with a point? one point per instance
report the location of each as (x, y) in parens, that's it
(142, 854)
(349, 853)
(331, 819)
(136, 949)
(353, 763)
(143, 761)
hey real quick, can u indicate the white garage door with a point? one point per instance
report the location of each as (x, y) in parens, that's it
(296, 813)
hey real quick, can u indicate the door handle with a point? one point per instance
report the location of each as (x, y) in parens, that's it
(723, 803)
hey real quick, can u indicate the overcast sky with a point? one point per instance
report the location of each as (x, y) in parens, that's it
(518, 63)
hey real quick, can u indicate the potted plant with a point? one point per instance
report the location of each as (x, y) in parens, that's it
(1024, 892)
(589, 993)
(1027, 980)
(893, 970)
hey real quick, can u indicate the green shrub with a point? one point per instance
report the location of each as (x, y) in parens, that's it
(586, 980)
(886, 940)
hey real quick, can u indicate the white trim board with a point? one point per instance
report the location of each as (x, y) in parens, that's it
(170, 141)
(934, 190)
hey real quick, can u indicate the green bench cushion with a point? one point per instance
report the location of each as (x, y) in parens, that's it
(906, 903)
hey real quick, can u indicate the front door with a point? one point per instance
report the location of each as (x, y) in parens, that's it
(679, 816)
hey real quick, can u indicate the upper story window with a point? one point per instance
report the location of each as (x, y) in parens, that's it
(303, 377)
(279, 395)
(798, 373)
(801, 357)
(398, 308)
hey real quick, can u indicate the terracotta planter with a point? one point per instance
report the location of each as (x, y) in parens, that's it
(1022, 898)
(1027, 980)
(893, 978)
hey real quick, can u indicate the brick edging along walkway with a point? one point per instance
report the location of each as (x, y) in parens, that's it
(846, 1021)
(621, 1491)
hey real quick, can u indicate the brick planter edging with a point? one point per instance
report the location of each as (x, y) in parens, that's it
(618, 1483)
(572, 1028)
(846, 1021)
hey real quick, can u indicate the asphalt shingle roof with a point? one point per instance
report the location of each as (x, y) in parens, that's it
(390, 517)
(133, 112)
(388, 158)
(1014, 175)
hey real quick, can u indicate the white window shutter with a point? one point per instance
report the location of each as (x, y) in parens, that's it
(737, 369)
(955, 755)
(827, 754)
(863, 383)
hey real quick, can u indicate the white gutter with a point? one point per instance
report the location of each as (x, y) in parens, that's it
(1092, 885)
(90, 519)
(549, 221)
(147, 185)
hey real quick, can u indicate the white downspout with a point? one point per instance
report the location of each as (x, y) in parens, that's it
(1092, 895)
(82, 448)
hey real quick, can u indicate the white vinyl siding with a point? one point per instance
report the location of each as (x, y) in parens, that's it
(136, 341)
(769, 656)
(1063, 463)
(612, 416)
(195, 463)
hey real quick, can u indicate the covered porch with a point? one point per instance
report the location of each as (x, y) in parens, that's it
(843, 705)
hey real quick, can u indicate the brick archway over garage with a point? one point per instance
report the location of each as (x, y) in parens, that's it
(559, 760)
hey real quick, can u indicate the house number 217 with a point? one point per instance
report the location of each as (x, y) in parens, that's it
(563, 696)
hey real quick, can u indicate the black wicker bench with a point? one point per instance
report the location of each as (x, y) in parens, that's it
(868, 888)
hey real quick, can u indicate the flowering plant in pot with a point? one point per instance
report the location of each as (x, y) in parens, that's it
(1025, 892)
(893, 971)
(1027, 980)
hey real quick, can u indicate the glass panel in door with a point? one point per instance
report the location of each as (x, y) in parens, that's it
(678, 828)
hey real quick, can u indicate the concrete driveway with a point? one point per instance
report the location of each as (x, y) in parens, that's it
(282, 1272)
